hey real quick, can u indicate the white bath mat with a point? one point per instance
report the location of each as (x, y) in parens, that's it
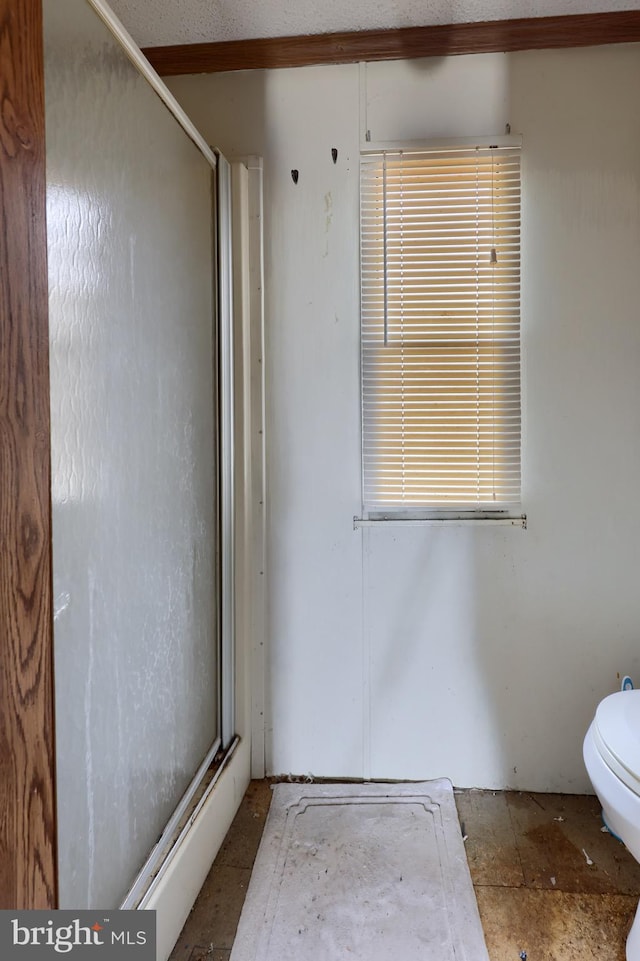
(361, 872)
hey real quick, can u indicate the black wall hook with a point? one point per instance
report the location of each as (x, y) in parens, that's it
(294, 176)
(334, 154)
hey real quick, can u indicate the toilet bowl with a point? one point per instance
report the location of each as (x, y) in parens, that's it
(612, 757)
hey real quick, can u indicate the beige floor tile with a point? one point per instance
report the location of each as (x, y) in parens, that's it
(199, 952)
(206, 952)
(491, 847)
(558, 835)
(215, 915)
(241, 843)
(554, 925)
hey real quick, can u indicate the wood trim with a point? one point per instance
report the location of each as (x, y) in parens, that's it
(27, 808)
(494, 36)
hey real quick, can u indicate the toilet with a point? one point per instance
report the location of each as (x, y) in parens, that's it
(612, 758)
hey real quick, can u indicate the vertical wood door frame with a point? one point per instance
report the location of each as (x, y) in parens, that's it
(28, 873)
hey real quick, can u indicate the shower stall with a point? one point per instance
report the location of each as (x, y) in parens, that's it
(139, 231)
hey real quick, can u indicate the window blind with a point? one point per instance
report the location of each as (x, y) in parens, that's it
(440, 315)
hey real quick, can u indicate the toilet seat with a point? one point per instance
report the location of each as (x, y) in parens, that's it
(611, 752)
(616, 736)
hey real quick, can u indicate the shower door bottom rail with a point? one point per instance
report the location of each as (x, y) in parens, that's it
(179, 824)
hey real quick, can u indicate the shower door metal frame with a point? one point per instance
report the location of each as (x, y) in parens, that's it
(223, 400)
(223, 299)
(226, 500)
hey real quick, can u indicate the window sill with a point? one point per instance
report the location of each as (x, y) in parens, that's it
(441, 519)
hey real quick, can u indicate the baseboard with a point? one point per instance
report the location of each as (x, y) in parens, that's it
(176, 893)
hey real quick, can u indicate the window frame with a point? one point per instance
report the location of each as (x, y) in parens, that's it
(413, 515)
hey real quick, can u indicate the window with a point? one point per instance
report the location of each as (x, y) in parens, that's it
(440, 274)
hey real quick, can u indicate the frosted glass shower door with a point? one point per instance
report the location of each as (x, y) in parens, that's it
(134, 450)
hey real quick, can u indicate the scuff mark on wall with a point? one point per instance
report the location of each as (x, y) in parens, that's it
(328, 217)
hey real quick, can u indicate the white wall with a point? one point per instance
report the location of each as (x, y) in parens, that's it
(478, 654)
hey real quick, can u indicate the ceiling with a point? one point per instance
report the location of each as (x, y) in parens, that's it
(160, 22)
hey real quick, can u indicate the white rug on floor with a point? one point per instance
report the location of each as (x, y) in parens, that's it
(361, 872)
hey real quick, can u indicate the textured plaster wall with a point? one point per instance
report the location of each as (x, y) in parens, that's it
(157, 22)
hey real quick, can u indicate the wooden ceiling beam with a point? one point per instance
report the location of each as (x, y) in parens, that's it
(492, 36)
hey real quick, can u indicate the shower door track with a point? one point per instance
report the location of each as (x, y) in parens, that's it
(169, 842)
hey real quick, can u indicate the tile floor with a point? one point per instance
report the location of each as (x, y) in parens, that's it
(548, 881)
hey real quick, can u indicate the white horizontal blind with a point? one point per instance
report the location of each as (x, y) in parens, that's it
(440, 274)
